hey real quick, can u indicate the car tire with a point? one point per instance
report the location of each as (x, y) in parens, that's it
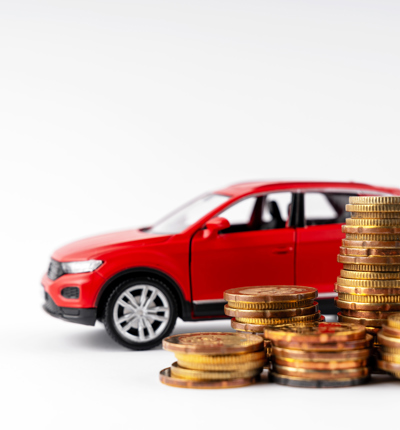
(140, 312)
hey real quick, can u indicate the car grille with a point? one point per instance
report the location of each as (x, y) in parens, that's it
(70, 292)
(55, 270)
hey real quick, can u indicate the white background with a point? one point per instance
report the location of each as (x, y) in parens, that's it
(112, 113)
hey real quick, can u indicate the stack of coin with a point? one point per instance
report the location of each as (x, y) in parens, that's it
(369, 285)
(389, 339)
(254, 308)
(214, 360)
(320, 355)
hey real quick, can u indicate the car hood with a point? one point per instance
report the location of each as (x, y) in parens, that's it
(95, 246)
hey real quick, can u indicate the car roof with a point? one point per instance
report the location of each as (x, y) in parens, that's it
(245, 188)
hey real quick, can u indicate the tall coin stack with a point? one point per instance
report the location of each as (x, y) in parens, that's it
(369, 285)
(254, 308)
(320, 355)
(389, 338)
(214, 360)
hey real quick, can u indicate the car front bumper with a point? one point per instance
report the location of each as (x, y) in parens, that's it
(86, 316)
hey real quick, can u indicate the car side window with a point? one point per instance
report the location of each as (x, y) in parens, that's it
(240, 215)
(326, 208)
(276, 210)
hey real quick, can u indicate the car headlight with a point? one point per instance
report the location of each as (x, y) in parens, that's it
(81, 266)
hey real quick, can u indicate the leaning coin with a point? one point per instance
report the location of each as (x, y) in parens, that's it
(389, 244)
(371, 322)
(213, 343)
(167, 379)
(315, 332)
(371, 276)
(293, 381)
(374, 200)
(271, 293)
(336, 355)
(334, 346)
(391, 342)
(394, 321)
(321, 374)
(320, 365)
(265, 313)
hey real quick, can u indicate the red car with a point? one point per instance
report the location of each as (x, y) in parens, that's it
(262, 233)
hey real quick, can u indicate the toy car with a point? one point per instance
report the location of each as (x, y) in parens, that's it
(139, 281)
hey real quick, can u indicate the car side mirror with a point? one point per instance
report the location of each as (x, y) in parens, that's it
(214, 225)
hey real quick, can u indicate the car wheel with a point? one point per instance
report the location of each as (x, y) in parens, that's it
(140, 313)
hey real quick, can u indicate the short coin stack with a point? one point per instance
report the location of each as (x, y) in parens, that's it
(369, 285)
(214, 360)
(320, 355)
(389, 339)
(254, 308)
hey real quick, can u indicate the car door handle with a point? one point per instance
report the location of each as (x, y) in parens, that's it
(285, 250)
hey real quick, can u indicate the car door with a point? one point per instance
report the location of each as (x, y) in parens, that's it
(258, 249)
(319, 238)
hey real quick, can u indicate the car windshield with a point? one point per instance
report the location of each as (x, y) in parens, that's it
(185, 216)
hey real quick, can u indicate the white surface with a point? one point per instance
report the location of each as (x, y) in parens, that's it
(112, 114)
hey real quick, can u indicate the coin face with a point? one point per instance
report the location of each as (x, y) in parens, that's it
(316, 332)
(265, 313)
(167, 379)
(293, 381)
(394, 321)
(387, 244)
(271, 293)
(374, 200)
(321, 374)
(372, 276)
(213, 343)
(341, 303)
(375, 259)
(371, 322)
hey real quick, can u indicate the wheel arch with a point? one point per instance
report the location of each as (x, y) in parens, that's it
(184, 307)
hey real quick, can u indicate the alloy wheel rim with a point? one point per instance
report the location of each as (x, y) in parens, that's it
(141, 313)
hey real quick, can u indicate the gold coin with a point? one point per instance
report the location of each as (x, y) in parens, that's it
(370, 252)
(364, 321)
(167, 379)
(372, 268)
(393, 358)
(390, 367)
(270, 306)
(275, 321)
(202, 375)
(271, 293)
(368, 283)
(394, 321)
(391, 342)
(366, 314)
(320, 365)
(264, 313)
(349, 304)
(375, 260)
(321, 374)
(378, 276)
(220, 359)
(358, 298)
(391, 331)
(325, 356)
(373, 237)
(367, 291)
(374, 200)
(370, 244)
(372, 208)
(389, 350)
(250, 328)
(315, 332)
(214, 343)
(232, 367)
(390, 224)
(375, 215)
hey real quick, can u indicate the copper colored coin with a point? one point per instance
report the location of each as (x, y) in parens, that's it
(370, 322)
(250, 328)
(270, 306)
(275, 321)
(390, 350)
(367, 291)
(369, 252)
(320, 365)
(391, 342)
(271, 293)
(374, 200)
(370, 244)
(375, 260)
(347, 304)
(392, 358)
(391, 331)
(337, 356)
(376, 298)
(370, 276)
(353, 227)
(326, 347)
(366, 314)
(264, 313)
(321, 374)
(215, 343)
(372, 268)
(394, 321)
(167, 379)
(388, 366)
(293, 381)
(368, 283)
(315, 332)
